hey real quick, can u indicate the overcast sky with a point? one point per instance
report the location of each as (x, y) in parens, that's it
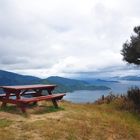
(66, 37)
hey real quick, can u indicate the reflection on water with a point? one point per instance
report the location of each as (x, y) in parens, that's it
(84, 96)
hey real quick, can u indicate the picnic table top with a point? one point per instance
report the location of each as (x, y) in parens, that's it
(22, 87)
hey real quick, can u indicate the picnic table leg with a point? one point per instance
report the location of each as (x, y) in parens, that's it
(49, 91)
(38, 93)
(53, 100)
(4, 102)
(23, 109)
(55, 103)
(22, 106)
(18, 95)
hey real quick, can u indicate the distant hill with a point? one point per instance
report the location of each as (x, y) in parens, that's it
(100, 81)
(65, 81)
(10, 78)
(64, 84)
(131, 78)
(106, 81)
(69, 85)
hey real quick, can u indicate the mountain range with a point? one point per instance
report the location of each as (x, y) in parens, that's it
(131, 78)
(64, 84)
(10, 78)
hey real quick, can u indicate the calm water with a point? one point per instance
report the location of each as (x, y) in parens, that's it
(84, 96)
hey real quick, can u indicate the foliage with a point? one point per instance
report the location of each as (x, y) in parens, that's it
(131, 50)
(129, 101)
(133, 95)
(123, 103)
(106, 99)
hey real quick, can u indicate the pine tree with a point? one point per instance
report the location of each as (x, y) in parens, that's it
(131, 49)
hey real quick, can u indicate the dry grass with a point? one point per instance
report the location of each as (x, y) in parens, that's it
(70, 122)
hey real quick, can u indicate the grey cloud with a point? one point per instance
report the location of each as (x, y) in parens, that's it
(12, 60)
(62, 37)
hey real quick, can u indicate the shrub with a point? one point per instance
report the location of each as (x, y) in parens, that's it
(123, 103)
(129, 101)
(133, 95)
(106, 99)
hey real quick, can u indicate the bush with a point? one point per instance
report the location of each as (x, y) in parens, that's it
(106, 99)
(123, 103)
(129, 101)
(133, 95)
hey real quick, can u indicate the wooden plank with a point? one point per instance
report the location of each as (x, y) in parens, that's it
(6, 98)
(3, 95)
(23, 102)
(12, 101)
(13, 94)
(24, 87)
(40, 98)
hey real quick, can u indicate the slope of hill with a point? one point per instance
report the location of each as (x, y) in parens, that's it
(64, 84)
(69, 85)
(131, 78)
(10, 78)
(100, 81)
(65, 81)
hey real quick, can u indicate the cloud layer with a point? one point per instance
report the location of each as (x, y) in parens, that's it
(60, 37)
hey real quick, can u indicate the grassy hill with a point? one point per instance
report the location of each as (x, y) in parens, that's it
(69, 122)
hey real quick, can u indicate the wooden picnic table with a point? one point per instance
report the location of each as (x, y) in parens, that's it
(36, 92)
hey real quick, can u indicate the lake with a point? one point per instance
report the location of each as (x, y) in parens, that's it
(87, 96)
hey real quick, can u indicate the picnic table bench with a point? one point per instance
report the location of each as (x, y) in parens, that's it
(34, 90)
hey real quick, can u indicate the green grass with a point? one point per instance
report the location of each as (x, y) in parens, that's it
(71, 122)
(5, 123)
